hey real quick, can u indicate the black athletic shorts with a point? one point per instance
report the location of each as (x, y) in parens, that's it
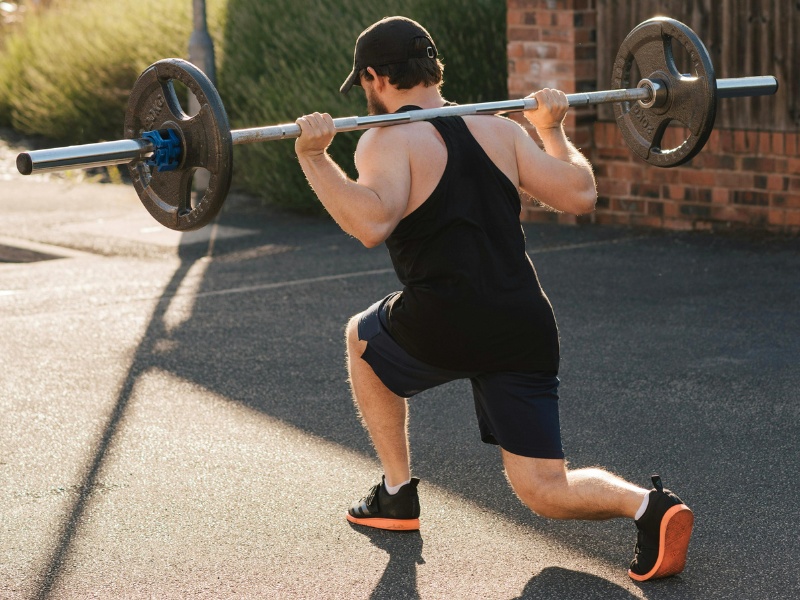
(517, 411)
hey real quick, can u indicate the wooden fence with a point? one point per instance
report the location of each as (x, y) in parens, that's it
(744, 37)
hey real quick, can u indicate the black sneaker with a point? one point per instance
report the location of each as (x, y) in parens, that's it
(378, 509)
(664, 532)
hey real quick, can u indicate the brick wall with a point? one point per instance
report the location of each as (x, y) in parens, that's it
(741, 179)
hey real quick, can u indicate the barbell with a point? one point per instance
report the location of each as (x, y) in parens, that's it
(164, 146)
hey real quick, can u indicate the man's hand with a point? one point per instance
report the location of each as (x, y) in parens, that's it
(552, 109)
(317, 131)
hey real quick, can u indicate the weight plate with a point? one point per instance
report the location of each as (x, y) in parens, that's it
(205, 140)
(690, 99)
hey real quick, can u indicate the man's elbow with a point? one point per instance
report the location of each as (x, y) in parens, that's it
(370, 242)
(372, 235)
(586, 202)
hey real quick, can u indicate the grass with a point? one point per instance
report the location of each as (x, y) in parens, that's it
(67, 72)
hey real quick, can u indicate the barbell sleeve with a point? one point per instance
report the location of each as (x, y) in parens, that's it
(742, 87)
(101, 154)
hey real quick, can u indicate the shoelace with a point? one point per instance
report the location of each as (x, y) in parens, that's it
(369, 498)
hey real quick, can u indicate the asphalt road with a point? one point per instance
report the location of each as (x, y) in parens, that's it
(176, 421)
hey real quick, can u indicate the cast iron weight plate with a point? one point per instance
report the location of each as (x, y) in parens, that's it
(690, 99)
(205, 139)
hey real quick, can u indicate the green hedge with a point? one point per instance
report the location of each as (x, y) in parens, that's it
(290, 60)
(66, 74)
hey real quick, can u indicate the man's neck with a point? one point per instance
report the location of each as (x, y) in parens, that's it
(424, 97)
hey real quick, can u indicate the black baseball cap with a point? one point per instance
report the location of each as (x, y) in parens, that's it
(389, 41)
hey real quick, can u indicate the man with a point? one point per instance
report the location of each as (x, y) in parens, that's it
(444, 197)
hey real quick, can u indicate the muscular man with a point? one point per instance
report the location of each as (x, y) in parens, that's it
(444, 197)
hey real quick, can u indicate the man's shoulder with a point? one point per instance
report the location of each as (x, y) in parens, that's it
(394, 137)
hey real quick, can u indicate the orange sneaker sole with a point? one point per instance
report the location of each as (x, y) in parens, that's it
(391, 524)
(676, 530)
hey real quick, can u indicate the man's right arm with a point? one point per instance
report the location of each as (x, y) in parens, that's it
(370, 208)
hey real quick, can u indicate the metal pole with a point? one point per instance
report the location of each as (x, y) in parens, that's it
(201, 54)
(201, 47)
(92, 154)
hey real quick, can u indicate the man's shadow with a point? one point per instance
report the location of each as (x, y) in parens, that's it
(555, 582)
(399, 579)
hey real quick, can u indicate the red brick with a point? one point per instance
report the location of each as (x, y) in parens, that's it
(726, 142)
(678, 224)
(515, 16)
(760, 164)
(720, 196)
(655, 209)
(672, 209)
(646, 221)
(627, 171)
(613, 187)
(516, 49)
(613, 154)
(675, 192)
(587, 19)
(645, 190)
(695, 194)
(627, 205)
(764, 142)
(777, 183)
(793, 218)
(750, 198)
(777, 217)
(584, 36)
(563, 18)
(658, 175)
(791, 144)
(585, 69)
(734, 180)
(709, 160)
(524, 34)
(694, 177)
(778, 142)
(712, 145)
(752, 140)
(554, 34)
(792, 200)
(740, 141)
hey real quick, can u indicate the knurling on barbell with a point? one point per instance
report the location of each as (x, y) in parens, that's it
(162, 164)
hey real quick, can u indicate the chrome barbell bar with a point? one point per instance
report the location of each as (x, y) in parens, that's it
(130, 150)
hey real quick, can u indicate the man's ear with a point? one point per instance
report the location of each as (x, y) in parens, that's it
(379, 81)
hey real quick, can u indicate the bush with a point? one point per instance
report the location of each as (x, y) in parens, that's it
(290, 60)
(66, 73)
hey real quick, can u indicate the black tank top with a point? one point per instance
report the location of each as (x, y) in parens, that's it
(471, 299)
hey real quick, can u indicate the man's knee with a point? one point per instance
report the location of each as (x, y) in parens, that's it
(541, 484)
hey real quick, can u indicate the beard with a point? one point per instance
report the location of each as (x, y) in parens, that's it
(374, 104)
